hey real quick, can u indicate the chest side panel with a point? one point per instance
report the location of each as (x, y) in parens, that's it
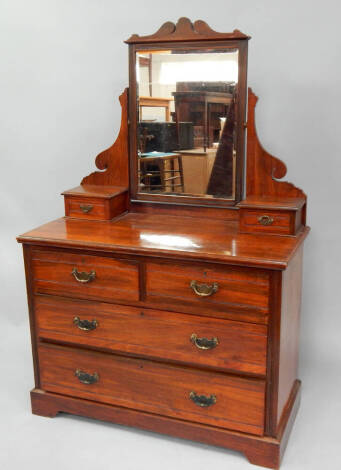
(289, 330)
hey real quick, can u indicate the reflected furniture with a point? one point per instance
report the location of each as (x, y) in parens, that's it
(222, 182)
(165, 136)
(197, 168)
(205, 104)
(162, 172)
(178, 315)
(156, 102)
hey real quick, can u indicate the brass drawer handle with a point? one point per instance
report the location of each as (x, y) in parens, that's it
(203, 400)
(265, 220)
(204, 290)
(86, 378)
(204, 343)
(85, 325)
(86, 208)
(83, 276)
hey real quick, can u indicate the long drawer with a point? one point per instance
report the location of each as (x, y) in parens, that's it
(229, 292)
(212, 398)
(199, 341)
(85, 276)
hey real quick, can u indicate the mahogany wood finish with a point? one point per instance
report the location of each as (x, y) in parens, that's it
(287, 214)
(263, 451)
(238, 290)
(186, 210)
(95, 191)
(114, 161)
(52, 311)
(114, 279)
(279, 222)
(155, 387)
(273, 202)
(31, 311)
(263, 169)
(96, 202)
(154, 334)
(289, 331)
(170, 237)
(103, 195)
(112, 301)
(184, 30)
(280, 202)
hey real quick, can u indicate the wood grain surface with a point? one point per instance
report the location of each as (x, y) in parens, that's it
(164, 236)
(114, 279)
(155, 334)
(155, 387)
(238, 289)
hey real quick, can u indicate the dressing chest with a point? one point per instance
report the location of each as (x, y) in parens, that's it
(171, 311)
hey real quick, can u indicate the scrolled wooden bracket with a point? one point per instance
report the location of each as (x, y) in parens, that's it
(264, 170)
(114, 162)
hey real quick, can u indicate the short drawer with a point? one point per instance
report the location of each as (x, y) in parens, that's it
(205, 397)
(198, 341)
(105, 206)
(239, 294)
(277, 222)
(86, 209)
(84, 276)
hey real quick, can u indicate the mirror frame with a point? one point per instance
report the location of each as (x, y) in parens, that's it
(187, 35)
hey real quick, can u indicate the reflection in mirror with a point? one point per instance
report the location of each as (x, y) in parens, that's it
(186, 125)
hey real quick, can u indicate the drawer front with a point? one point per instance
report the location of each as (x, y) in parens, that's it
(240, 294)
(96, 208)
(86, 208)
(205, 397)
(199, 341)
(279, 222)
(84, 276)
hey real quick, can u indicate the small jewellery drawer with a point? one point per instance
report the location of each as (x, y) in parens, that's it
(205, 397)
(279, 222)
(214, 343)
(239, 294)
(95, 202)
(84, 276)
(86, 209)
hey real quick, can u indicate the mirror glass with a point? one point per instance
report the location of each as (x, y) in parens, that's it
(186, 140)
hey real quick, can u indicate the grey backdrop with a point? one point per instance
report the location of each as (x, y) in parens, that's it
(63, 65)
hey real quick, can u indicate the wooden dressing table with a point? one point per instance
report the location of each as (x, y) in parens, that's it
(173, 314)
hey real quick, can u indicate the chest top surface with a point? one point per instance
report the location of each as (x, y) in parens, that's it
(164, 235)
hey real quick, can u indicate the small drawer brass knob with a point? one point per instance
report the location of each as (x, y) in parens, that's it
(204, 290)
(86, 378)
(85, 325)
(265, 220)
(83, 276)
(204, 343)
(203, 400)
(86, 208)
